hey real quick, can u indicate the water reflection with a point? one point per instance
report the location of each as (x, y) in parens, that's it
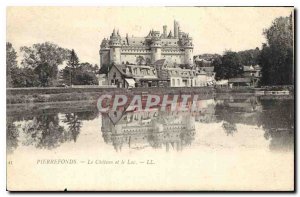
(148, 128)
(155, 129)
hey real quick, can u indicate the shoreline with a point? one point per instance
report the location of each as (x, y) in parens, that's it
(36, 96)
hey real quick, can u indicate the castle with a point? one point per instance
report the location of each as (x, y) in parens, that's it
(176, 47)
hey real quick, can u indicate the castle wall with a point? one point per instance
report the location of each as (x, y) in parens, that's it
(175, 58)
(131, 58)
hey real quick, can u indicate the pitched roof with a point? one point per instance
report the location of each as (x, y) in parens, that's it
(122, 70)
(239, 80)
(160, 62)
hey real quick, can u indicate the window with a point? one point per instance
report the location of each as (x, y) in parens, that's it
(178, 82)
(173, 82)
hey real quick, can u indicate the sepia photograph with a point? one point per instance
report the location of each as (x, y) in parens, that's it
(150, 98)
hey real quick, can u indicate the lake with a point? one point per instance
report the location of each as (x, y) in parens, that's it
(231, 143)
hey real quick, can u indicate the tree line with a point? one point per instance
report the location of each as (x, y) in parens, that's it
(39, 67)
(275, 57)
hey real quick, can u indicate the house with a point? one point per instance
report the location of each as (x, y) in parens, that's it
(250, 77)
(102, 79)
(253, 72)
(222, 83)
(162, 74)
(126, 76)
(173, 76)
(237, 82)
(204, 79)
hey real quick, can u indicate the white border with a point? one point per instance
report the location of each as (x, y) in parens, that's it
(6, 3)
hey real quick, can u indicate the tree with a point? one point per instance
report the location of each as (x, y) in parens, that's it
(229, 66)
(84, 74)
(73, 63)
(43, 59)
(249, 57)
(11, 64)
(105, 68)
(140, 60)
(276, 57)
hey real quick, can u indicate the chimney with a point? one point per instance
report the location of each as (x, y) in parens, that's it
(165, 31)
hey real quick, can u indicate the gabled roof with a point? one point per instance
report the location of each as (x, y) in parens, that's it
(160, 62)
(122, 70)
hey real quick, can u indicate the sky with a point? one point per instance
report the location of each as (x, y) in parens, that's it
(213, 29)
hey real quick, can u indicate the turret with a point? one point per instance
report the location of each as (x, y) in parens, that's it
(115, 47)
(170, 35)
(104, 52)
(188, 50)
(156, 47)
(176, 29)
(165, 31)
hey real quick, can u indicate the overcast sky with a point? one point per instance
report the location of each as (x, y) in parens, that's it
(214, 29)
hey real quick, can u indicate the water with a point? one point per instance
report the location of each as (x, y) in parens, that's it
(230, 143)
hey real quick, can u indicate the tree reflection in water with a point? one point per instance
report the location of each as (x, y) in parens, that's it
(74, 125)
(12, 134)
(44, 132)
(277, 119)
(157, 129)
(230, 129)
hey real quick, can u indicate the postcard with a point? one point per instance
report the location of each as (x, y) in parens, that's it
(150, 99)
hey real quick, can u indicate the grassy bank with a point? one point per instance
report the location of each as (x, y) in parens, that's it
(50, 95)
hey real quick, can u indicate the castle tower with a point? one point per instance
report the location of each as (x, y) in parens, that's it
(104, 52)
(115, 48)
(156, 47)
(188, 51)
(165, 31)
(176, 29)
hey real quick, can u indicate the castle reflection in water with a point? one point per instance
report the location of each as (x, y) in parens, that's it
(148, 128)
(163, 129)
(51, 127)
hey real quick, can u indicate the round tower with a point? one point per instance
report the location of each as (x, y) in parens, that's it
(188, 51)
(156, 47)
(115, 48)
(104, 52)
